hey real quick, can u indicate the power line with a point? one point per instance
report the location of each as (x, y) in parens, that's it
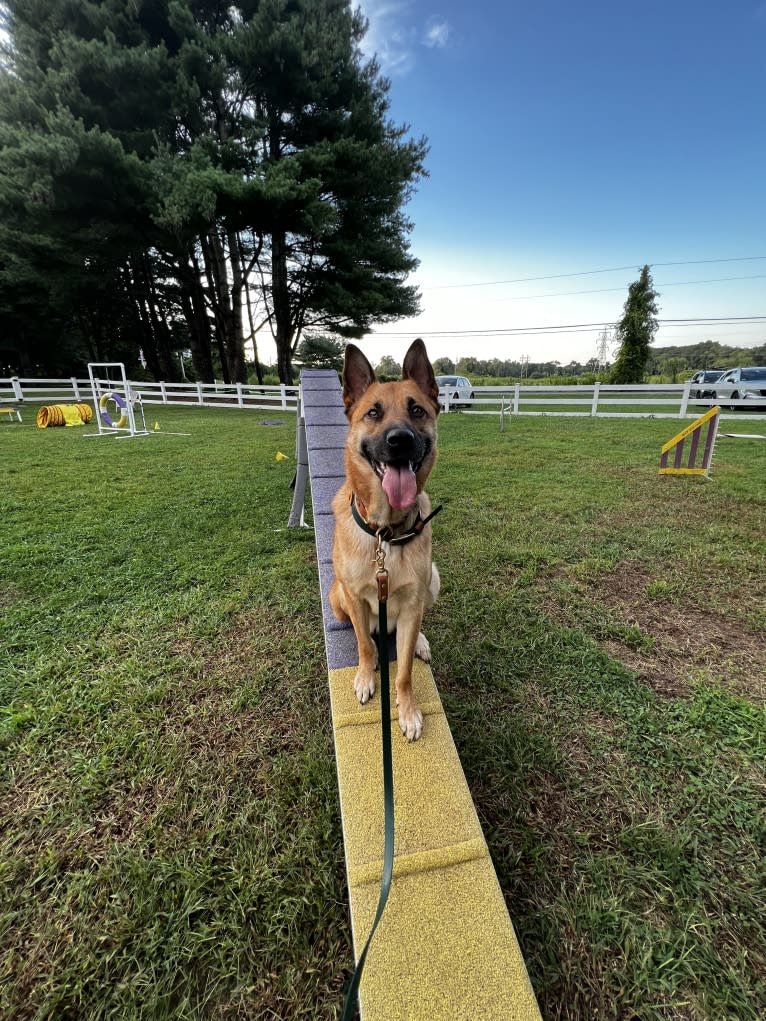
(591, 272)
(608, 290)
(571, 327)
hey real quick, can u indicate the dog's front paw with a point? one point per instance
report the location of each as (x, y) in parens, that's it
(422, 648)
(411, 722)
(364, 685)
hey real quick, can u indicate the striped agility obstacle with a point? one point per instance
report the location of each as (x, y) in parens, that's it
(445, 949)
(677, 447)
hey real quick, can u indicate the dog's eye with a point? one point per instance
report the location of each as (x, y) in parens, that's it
(416, 411)
(374, 412)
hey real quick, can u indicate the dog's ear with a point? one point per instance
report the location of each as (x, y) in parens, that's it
(358, 374)
(418, 368)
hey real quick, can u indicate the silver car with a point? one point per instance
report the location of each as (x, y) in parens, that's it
(743, 384)
(456, 389)
(704, 376)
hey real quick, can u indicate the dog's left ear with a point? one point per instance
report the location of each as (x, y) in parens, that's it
(418, 368)
(358, 374)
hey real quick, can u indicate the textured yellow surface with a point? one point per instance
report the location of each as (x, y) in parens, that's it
(445, 949)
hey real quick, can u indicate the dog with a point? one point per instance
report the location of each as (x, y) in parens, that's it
(390, 452)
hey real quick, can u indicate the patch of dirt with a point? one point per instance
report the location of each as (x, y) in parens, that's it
(9, 596)
(689, 636)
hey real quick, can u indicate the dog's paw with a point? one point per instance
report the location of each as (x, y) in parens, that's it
(422, 648)
(411, 722)
(364, 686)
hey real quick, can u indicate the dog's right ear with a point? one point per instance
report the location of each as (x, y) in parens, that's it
(358, 374)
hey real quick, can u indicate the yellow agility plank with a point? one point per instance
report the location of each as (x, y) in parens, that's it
(690, 429)
(445, 949)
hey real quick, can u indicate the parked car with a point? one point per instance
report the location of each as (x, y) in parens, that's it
(457, 388)
(743, 384)
(704, 376)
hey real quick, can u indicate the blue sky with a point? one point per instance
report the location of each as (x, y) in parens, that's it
(567, 138)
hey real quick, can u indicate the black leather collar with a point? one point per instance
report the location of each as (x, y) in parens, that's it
(385, 532)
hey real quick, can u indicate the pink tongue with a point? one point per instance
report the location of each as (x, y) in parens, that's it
(400, 486)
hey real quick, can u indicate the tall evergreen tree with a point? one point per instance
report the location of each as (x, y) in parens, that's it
(636, 330)
(336, 174)
(219, 163)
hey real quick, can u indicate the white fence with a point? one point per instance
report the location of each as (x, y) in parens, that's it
(670, 400)
(206, 395)
(602, 400)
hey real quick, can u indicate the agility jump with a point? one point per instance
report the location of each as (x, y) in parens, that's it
(678, 446)
(114, 393)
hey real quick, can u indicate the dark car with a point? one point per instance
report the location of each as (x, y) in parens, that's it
(704, 376)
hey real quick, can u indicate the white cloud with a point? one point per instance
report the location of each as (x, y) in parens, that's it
(389, 38)
(393, 38)
(437, 33)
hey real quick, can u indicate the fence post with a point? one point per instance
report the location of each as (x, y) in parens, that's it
(240, 397)
(516, 399)
(283, 391)
(685, 398)
(76, 388)
(199, 394)
(163, 391)
(594, 405)
(17, 388)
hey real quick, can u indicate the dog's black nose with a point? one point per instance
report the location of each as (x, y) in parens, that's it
(400, 440)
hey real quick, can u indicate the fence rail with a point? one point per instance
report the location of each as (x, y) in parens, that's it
(601, 400)
(598, 400)
(207, 395)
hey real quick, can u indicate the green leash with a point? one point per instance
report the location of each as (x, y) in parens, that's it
(388, 779)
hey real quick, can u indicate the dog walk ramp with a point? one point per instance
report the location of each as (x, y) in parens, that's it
(445, 949)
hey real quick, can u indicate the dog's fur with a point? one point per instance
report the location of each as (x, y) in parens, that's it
(392, 436)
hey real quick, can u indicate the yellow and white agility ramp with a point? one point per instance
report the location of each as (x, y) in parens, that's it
(445, 949)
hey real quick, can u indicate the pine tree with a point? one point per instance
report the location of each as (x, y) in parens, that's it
(217, 162)
(636, 330)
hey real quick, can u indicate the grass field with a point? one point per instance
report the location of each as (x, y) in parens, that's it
(170, 839)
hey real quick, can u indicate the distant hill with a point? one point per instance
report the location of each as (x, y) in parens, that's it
(706, 355)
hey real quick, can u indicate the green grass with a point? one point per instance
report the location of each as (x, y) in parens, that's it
(169, 828)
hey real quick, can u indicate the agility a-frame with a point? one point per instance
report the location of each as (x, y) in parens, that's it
(701, 435)
(113, 401)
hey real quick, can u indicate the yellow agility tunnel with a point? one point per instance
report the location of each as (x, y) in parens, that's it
(63, 415)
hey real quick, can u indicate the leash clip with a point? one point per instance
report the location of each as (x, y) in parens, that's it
(382, 573)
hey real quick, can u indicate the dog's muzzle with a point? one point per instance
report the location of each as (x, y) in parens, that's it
(396, 458)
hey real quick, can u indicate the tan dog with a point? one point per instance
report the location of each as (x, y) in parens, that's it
(390, 451)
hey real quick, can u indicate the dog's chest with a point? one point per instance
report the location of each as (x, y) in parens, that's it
(409, 574)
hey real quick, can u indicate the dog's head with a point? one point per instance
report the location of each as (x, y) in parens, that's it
(391, 446)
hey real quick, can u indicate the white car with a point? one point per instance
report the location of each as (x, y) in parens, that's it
(704, 376)
(456, 389)
(742, 384)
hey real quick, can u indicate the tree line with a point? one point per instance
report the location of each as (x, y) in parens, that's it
(671, 361)
(183, 174)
